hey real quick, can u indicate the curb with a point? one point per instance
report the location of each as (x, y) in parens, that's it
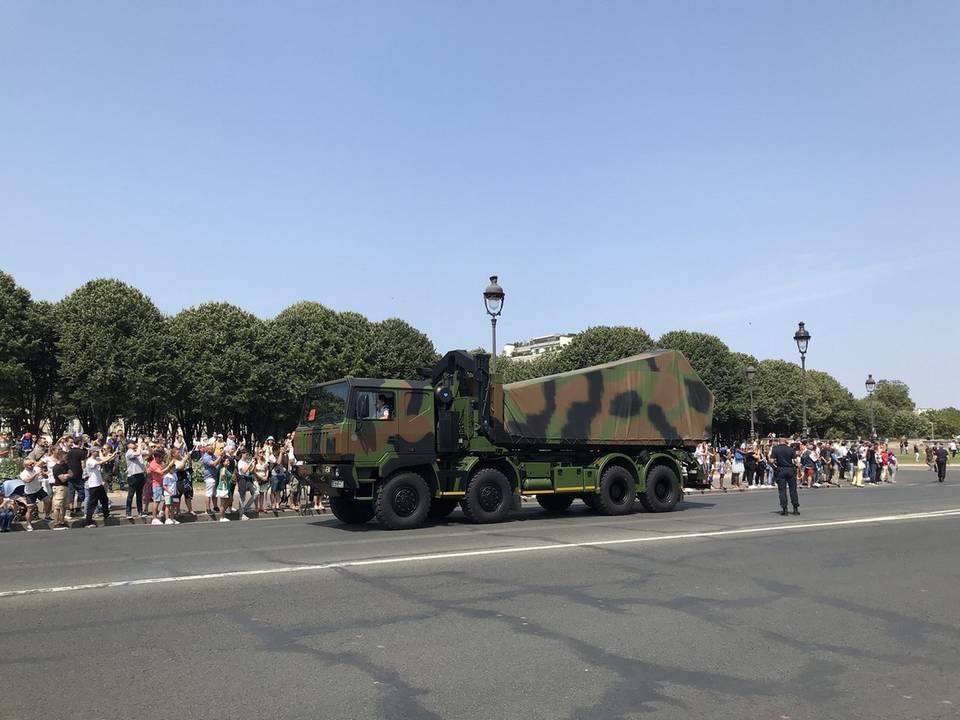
(118, 519)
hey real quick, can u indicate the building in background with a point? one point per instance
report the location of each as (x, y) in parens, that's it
(534, 348)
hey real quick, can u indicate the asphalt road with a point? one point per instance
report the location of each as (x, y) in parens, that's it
(722, 609)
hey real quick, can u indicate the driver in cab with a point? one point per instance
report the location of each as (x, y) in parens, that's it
(384, 410)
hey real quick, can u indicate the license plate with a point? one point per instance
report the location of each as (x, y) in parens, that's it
(336, 483)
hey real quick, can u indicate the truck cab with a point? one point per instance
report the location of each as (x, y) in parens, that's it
(355, 430)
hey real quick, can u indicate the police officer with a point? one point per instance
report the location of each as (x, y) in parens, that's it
(785, 471)
(941, 456)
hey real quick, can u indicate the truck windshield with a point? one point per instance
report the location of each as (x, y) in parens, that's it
(326, 405)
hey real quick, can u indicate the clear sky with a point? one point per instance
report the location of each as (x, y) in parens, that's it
(732, 167)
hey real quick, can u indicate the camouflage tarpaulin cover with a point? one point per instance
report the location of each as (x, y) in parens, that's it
(651, 399)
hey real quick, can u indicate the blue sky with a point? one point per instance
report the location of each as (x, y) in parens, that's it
(729, 167)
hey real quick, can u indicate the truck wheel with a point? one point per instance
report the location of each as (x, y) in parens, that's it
(617, 492)
(590, 500)
(663, 490)
(441, 507)
(488, 497)
(403, 501)
(554, 502)
(350, 511)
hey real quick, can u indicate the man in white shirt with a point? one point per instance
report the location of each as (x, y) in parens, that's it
(31, 476)
(96, 491)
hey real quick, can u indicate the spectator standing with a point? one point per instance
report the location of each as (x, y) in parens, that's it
(858, 468)
(157, 468)
(210, 462)
(808, 464)
(170, 496)
(26, 443)
(7, 512)
(261, 480)
(4, 445)
(76, 457)
(953, 448)
(225, 487)
(136, 477)
(892, 465)
(749, 465)
(278, 485)
(60, 476)
(32, 488)
(916, 452)
(929, 453)
(245, 483)
(181, 466)
(95, 485)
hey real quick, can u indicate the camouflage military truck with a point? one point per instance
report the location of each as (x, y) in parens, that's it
(405, 451)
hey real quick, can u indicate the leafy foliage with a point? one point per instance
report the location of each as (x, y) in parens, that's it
(602, 344)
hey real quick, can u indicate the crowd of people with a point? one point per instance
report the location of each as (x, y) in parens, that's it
(750, 465)
(71, 478)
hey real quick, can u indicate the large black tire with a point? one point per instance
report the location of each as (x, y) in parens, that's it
(617, 492)
(663, 490)
(555, 502)
(488, 497)
(350, 511)
(441, 507)
(403, 501)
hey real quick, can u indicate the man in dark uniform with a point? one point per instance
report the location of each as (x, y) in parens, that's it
(785, 471)
(941, 455)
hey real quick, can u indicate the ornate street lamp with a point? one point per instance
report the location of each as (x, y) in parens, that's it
(802, 338)
(493, 300)
(750, 371)
(871, 385)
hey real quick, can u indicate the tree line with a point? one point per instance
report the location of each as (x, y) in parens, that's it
(106, 352)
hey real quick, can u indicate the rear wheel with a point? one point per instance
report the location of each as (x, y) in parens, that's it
(555, 502)
(488, 497)
(617, 491)
(350, 511)
(663, 490)
(441, 507)
(403, 501)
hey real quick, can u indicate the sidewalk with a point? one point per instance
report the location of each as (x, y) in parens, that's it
(118, 502)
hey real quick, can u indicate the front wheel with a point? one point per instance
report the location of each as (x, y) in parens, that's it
(663, 490)
(403, 501)
(488, 497)
(350, 511)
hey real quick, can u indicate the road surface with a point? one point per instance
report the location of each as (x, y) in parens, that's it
(722, 609)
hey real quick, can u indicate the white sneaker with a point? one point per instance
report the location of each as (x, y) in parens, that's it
(176, 522)
(156, 521)
(244, 517)
(29, 528)
(224, 519)
(168, 521)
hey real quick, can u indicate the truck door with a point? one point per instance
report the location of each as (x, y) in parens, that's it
(378, 434)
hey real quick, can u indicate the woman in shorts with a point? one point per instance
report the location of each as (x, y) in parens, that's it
(261, 480)
(31, 477)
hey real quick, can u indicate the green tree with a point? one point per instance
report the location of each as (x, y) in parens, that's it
(945, 423)
(602, 344)
(778, 398)
(14, 309)
(38, 391)
(894, 394)
(215, 375)
(108, 332)
(832, 409)
(398, 350)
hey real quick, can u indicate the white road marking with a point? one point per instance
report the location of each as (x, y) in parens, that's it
(286, 570)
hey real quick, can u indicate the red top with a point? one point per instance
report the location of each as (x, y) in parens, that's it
(156, 473)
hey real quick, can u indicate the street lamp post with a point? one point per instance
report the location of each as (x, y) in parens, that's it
(871, 385)
(802, 338)
(493, 300)
(750, 372)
